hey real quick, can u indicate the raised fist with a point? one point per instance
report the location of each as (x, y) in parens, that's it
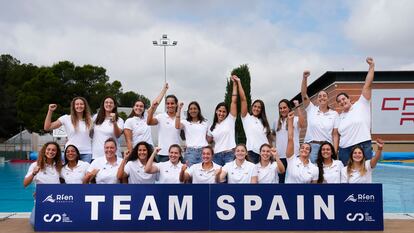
(370, 61)
(52, 107)
(306, 73)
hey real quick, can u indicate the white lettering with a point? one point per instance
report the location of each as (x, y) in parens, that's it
(300, 207)
(118, 207)
(225, 206)
(274, 211)
(328, 210)
(94, 200)
(149, 208)
(249, 206)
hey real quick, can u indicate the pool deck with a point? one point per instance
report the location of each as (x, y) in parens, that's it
(393, 223)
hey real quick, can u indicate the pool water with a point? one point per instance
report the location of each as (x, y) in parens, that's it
(397, 180)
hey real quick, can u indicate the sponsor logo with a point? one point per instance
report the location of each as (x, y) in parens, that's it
(360, 198)
(56, 218)
(359, 217)
(59, 198)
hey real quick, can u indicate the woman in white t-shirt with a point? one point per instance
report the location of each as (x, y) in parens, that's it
(167, 132)
(280, 131)
(269, 165)
(46, 169)
(77, 126)
(132, 168)
(255, 124)
(201, 173)
(74, 169)
(329, 166)
(195, 128)
(300, 169)
(239, 171)
(321, 119)
(104, 169)
(168, 171)
(136, 128)
(107, 124)
(354, 122)
(359, 168)
(222, 131)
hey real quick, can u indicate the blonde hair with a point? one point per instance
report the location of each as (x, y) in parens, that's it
(86, 114)
(350, 164)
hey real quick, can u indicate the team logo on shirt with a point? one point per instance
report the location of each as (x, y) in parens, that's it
(360, 198)
(60, 198)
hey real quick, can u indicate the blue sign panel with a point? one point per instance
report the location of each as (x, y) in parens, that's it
(208, 207)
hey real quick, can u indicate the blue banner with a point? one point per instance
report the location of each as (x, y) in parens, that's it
(196, 207)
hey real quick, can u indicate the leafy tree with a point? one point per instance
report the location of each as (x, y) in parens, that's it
(243, 73)
(128, 99)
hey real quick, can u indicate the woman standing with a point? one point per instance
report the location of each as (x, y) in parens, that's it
(136, 128)
(359, 168)
(354, 126)
(45, 170)
(168, 171)
(222, 131)
(132, 168)
(255, 125)
(239, 171)
(167, 133)
(195, 130)
(328, 165)
(201, 173)
(280, 131)
(104, 169)
(321, 119)
(269, 165)
(74, 169)
(299, 170)
(77, 126)
(107, 124)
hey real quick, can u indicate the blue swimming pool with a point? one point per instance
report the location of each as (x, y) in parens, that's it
(397, 180)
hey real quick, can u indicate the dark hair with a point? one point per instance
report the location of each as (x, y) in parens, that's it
(132, 114)
(245, 147)
(100, 118)
(199, 115)
(327, 106)
(215, 120)
(261, 147)
(111, 139)
(134, 152)
(77, 153)
(319, 160)
(342, 93)
(279, 122)
(208, 147)
(41, 158)
(175, 100)
(176, 146)
(262, 116)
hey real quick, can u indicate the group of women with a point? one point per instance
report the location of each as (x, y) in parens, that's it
(92, 152)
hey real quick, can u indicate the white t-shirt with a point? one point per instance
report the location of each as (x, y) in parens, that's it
(167, 133)
(239, 175)
(140, 130)
(136, 173)
(320, 124)
(107, 172)
(75, 175)
(332, 173)
(195, 133)
(354, 126)
(268, 174)
(103, 132)
(224, 134)
(49, 175)
(79, 137)
(168, 172)
(282, 137)
(255, 133)
(356, 177)
(300, 173)
(202, 176)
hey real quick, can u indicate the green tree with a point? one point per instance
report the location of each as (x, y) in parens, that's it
(128, 99)
(243, 73)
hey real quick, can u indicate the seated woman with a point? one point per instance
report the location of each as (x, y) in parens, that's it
(74, 169)
(359, 170)
(328, 164)
(104, 169)
(168, 171)
(269, 165)
(201, 173)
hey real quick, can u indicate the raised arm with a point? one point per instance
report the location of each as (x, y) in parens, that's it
(28, 180)
(378, 153)
(280, 166)
(290, 145)
(121, 172)
(233, 105)
(178, 124)
(184, 176)
(243, 99)
(150, 118)
(335, 139)
(49, 125)
(117, 129)
(367, 89)
(304, 89)
(221, 175)
(128, 138)
(150, 168)
(301, 118)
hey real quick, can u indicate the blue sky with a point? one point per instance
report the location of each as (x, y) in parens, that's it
(277, 39)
